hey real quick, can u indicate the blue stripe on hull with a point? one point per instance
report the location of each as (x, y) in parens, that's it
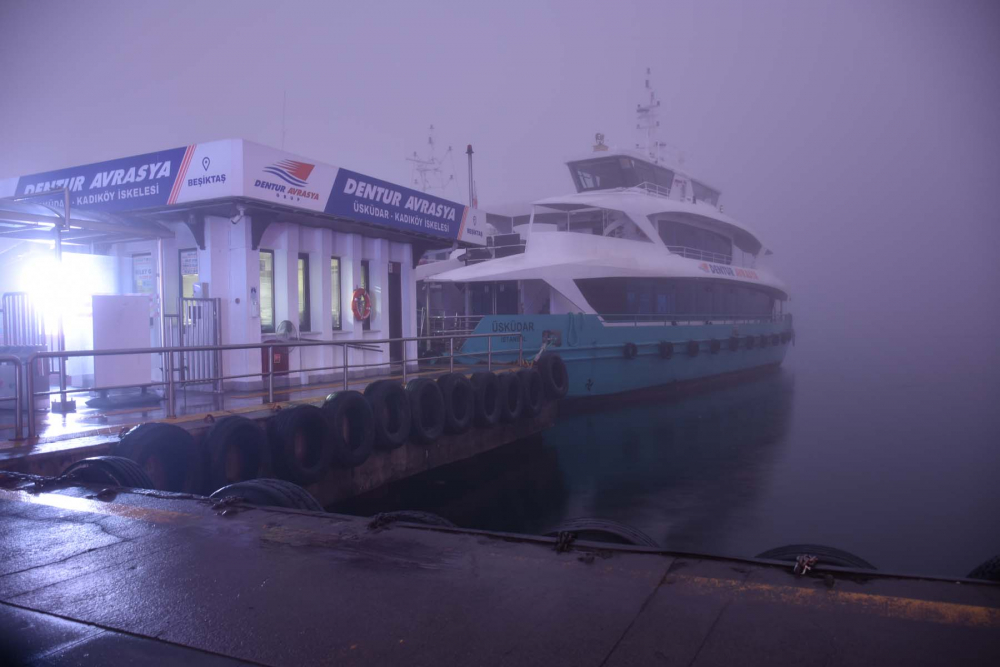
(594, 351)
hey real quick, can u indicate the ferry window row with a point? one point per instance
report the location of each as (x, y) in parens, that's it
(673, 296)
(695, 242)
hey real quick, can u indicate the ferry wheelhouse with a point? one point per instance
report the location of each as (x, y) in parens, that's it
(638, 279)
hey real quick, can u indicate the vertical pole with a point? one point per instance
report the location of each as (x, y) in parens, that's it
(31, 397)
(404, 361)
(18, 388)
(489, 353)
(171, 407)
(60, 333)
(451, 355)
(270, 374)
(520, 349)
(160, 293)
(345, 367)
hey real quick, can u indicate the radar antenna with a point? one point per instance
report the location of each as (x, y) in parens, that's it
(429, 172)
(648, 116)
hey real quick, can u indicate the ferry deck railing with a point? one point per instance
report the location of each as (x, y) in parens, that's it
(703, 255)
(170, 365)
(635, 319)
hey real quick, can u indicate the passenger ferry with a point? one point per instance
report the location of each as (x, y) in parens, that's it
(638, 279)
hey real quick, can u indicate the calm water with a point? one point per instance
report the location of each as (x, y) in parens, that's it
(896, 462)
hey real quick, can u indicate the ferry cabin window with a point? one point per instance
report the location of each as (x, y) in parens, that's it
(696, 242)
(366, 324)
(189, 272)
(335, 292)
(305, 316)
(267, 291)
(627, 297)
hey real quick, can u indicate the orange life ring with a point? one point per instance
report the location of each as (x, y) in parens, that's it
(361, 304)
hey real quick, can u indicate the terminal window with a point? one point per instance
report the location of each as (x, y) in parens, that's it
(366, 324)
(305, 318)
(335, 292)
(267, 291)
(189, 272)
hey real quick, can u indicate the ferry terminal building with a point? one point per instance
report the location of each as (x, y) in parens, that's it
(222, 242)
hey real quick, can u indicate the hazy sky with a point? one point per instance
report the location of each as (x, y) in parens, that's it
(860, 138)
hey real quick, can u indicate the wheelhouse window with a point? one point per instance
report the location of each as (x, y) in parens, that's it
(267, 291)
(619, 171)
(305, 316)
(366, 324)
(335, 293)
(704, 193)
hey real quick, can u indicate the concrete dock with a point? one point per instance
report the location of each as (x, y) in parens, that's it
(107, 576)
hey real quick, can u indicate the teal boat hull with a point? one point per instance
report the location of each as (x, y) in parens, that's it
(599, 363)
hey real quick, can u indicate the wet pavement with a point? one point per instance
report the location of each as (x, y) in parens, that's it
(111, 577)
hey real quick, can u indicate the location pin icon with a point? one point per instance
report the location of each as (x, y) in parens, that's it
(205, 162)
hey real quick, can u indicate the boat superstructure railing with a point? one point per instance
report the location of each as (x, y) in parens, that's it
(636, 319)
(654, 189)
(703, 255)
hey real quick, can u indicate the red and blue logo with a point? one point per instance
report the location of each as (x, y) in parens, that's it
(291, 171)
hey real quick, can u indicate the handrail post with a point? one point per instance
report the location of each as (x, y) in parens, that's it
(31, 397)
(345, 367)
(520, 349)
(451, 354)
(18, 388)
(270, 374)
(171, 408)
(404, 361)
(489, 353)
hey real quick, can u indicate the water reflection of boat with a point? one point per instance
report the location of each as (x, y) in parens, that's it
(682, 471)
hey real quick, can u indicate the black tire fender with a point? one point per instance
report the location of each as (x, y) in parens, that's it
(237, 450)
(630, 350)
(987, 570)
(775, 340)
(534, 393)
(604, 530)
(762, 340)
(734, 343)
(111, 470)
(666, 349)
(300, 443)
(391, 409)
(693, 347)
(426, 410)
(459, 402)
(714, 346)
(352, 428)
(555, 376)
(511, 397)
(487, 391)
(751, 340)
(827, 555)
(168, 455)
(267, 492)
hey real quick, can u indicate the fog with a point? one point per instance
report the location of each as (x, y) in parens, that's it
(858, 138)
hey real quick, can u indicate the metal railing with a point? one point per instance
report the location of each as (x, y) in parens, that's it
(457, 324)
(654, 189)
(18, 389)
(171, 384)
(636, 319)
(704, 255)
